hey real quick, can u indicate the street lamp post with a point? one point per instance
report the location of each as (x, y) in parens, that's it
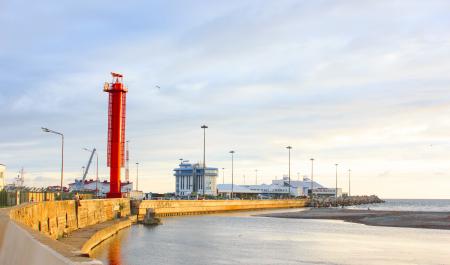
(289, 174)
(137, 176)
(62, 155)
(223, 175)
(256, 177)
(204, 127)
(312, 178)
(232, 173)
(349, 171)
(335, 192)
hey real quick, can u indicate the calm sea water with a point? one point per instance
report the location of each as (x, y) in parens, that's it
(409, 205)
(240, 238)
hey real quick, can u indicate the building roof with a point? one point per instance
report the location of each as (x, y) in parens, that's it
(188, 166)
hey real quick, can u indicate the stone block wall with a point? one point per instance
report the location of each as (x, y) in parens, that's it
(181, 207)
(54, 218)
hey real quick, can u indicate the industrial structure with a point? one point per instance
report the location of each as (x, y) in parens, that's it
(190, 179)
(85, 171)
(2, 176)
(116, 131)
(100, 188)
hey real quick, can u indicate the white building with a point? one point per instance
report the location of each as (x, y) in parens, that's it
(190, 177)
(2, 176)
(102, 186)
(278, 188)
(262, 190)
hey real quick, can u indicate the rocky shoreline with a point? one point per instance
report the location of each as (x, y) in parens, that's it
(431, 220)
(344, 201)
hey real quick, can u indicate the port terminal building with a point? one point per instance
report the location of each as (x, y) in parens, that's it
(191, 177)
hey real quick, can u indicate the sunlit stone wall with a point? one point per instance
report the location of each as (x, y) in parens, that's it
(184, 207)
(54, 218)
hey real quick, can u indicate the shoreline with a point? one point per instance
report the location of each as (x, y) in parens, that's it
(407, 219)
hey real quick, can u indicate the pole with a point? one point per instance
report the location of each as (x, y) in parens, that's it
(137, 176)
(96, 174)
(223, 175)
(289, 151)
(349, 194)
(62, 164)
(335, 192)
(204, 127)
(312, 177)
(232, 173)
(256, 177)
(62, 155)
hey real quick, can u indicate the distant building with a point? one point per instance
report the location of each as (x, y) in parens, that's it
(278, 189)
(153, 196)
(57, 188)
(2, 176)
(102, 186)
(256, 191)
(189, 179)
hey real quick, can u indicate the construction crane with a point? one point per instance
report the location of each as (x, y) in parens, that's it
(87, 168)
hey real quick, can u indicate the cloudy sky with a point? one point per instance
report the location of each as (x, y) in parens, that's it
(365, 84)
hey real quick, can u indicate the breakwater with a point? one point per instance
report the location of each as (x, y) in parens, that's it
(57, 218)
(34, 228)
(344, 201)
(163, 208)
(28, 232)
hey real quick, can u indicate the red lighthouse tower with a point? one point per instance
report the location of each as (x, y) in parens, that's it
(116, 131)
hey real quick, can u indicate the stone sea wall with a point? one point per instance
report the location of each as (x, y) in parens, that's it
(163, 208)
(56, 218)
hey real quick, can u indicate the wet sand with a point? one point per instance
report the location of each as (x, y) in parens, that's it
(431, 220)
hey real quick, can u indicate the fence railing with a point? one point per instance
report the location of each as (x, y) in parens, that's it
(12, 198)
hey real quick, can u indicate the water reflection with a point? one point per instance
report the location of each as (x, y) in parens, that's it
(242, 239)
(114, 255)
(111, 249)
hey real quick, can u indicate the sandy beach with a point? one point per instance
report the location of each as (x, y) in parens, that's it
(431, 220)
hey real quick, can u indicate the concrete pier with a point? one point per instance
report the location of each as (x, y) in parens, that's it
(59, 232)
(163, 208)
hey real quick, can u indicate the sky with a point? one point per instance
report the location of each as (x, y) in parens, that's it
(364, 84)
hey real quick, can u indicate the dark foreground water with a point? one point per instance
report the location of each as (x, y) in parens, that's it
(240, 238)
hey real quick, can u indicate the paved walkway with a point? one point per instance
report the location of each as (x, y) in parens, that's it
(77, 238)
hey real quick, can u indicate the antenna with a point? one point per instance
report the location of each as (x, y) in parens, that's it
(127, 162)
(20, 178)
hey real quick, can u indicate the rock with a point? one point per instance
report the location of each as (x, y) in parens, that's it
(150, 218)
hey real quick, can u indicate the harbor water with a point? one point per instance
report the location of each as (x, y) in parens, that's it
(242, 238)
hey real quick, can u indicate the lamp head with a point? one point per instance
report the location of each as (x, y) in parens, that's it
(45, 129)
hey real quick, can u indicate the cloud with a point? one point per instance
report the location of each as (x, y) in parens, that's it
(362, 83)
